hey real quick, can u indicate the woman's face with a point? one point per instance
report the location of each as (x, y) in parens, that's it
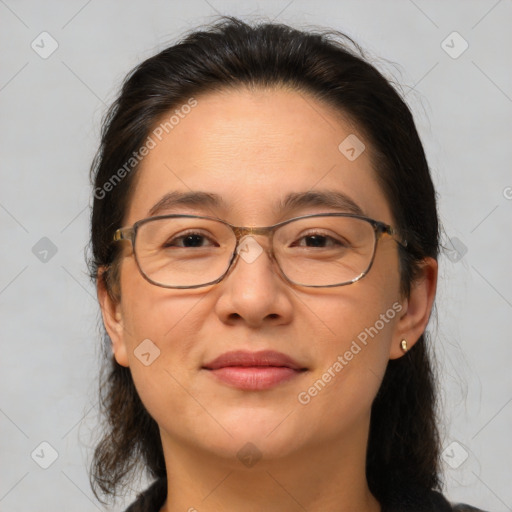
(253, 148)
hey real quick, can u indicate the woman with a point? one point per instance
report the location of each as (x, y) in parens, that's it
(282, 366)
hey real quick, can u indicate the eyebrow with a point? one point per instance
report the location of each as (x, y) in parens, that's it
(292, 202)
(194, 199)
(323, 198)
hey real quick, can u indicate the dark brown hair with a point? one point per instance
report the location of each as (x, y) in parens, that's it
(403, 446)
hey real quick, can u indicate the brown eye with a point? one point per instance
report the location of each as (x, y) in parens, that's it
(188, 240)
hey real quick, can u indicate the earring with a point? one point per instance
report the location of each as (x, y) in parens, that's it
(403, 344)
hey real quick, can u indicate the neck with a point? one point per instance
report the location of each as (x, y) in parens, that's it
(329, 477)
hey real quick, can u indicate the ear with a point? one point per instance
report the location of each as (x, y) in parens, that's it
(416, 308)
(112, 318)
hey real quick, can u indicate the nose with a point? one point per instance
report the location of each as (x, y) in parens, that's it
(254, 291)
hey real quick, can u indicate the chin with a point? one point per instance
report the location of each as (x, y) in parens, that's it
(274, 435)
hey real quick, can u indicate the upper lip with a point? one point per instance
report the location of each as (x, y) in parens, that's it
(247, 358)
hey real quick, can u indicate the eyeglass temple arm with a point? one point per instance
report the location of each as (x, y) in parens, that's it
(123, 234)
(395, 234)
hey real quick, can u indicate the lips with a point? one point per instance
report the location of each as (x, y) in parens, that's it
(253, 359)
(253, 371)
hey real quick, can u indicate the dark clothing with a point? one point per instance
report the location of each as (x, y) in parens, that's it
(153, 499)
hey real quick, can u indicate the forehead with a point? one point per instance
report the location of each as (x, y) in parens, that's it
(254, 148)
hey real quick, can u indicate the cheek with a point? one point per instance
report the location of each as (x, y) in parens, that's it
(360, 323)
(160, 329)
(159, 314)
(352, 363)
(366, 310)
(360, 329)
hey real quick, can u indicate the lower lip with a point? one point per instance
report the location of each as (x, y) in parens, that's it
(254, 378)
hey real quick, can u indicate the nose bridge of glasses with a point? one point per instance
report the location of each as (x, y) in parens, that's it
(251, 231)
(242, 233)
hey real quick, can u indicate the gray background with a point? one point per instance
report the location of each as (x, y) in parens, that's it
(51, 112)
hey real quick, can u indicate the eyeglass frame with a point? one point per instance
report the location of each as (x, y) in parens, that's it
(379, 229)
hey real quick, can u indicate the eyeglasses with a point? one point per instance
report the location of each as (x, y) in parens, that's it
(319, 250)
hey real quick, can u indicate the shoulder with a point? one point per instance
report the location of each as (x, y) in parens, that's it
(152, 499)
(441, 504)
(462, 507)
(415, 500)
